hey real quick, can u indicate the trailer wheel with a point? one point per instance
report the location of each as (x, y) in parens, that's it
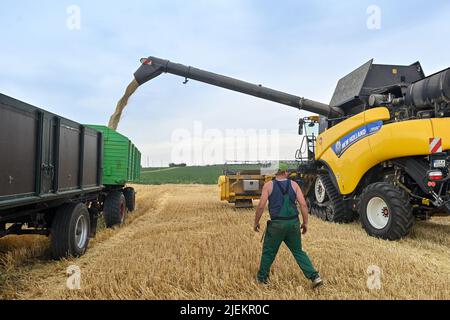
(70, 231)
(130, 198)
(114, 209)
(385, 211)
(327, 203)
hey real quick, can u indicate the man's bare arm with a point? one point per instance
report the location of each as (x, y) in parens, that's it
(303, 206)
(261, 206)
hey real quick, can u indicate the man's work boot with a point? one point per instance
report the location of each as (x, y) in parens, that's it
(263, 281)
(317, 282)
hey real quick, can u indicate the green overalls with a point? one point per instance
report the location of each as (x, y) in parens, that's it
(283, 227)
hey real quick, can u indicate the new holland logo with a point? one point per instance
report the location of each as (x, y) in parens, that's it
(346, 142)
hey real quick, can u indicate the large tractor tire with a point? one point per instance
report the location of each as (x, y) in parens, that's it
(114, 209)
(326, 202)
(386, 211)
(130, 198)
(70, 231)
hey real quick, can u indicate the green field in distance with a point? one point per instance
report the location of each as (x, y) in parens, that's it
(181, 175)
(189, 175)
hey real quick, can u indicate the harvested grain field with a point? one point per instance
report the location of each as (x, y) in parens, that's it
(182, 243)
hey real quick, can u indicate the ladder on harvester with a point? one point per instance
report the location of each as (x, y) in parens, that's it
(308, 127)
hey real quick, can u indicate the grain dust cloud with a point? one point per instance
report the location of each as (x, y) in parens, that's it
(115, 118)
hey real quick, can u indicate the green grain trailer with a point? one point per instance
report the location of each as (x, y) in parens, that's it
(121, 158)
(121, 164)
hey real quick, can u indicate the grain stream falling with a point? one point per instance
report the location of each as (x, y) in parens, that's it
(182, 243)
(115, 118)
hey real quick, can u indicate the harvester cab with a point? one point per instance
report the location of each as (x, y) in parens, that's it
(382, 149)
(308, 128)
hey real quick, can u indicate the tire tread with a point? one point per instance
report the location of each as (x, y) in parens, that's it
(111, 209)
(400, 207)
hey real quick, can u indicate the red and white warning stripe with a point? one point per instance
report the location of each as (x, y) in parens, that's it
(435, 145)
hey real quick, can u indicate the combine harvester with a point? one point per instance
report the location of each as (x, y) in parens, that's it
(242, 181)
(57, 176)
(379, 150)
(241, 185)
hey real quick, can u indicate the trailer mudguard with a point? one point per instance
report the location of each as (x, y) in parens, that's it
(356, 145)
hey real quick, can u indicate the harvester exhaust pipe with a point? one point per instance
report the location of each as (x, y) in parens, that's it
(153, 67)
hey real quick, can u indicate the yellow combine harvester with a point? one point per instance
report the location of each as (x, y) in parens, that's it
(242, 186)
(379, 151)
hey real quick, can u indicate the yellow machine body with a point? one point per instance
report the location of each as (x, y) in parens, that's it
(242, 188)
(354, 146)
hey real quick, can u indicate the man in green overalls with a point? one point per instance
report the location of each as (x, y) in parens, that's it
(284, 226)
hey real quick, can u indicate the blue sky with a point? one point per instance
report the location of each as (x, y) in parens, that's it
(301, 47)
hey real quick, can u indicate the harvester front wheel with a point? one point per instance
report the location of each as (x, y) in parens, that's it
(385, 211)
(114, 209)
(327, 203)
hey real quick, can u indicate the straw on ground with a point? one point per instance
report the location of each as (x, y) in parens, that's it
(182, 243)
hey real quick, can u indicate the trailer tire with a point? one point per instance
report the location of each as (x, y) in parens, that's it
(130, 198)
(385, 211)
(114, 209)
(70, 231)
(333, 210)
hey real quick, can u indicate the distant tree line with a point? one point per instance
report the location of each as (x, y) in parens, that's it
(177, 165)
